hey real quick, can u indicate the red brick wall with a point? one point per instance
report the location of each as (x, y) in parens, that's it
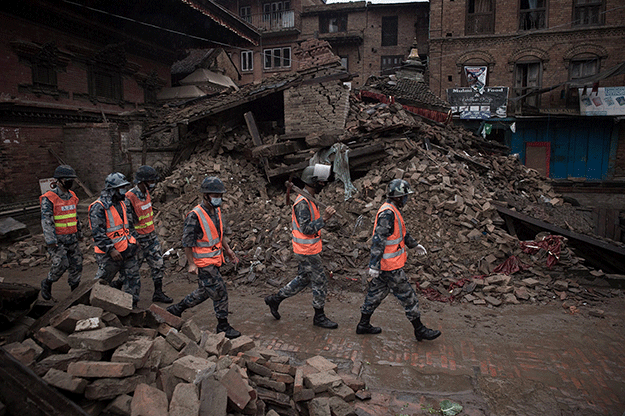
(24, 159)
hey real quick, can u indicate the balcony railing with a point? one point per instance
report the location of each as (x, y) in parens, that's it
(480, 23)
(274, 21)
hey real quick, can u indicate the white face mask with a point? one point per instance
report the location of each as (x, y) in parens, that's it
(151, 186)
(216, 202)
(122, 191)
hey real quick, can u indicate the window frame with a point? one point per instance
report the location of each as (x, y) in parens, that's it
(38, 70)
(478, 23)
(245, 13)
(520, 90)
(96, 75)
(391, 67)
(599, 5)
(325, 19)
(249, 58)
(283, 54)
(525, 22)
(388, 38)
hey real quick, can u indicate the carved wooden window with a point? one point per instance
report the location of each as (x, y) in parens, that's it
(105, 83)
(527, 80)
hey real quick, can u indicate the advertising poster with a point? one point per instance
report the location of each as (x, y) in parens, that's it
(476, 77)
(608, 101)
(469, 104)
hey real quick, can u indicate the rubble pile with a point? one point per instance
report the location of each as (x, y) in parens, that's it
(458, 180)
(113, 360)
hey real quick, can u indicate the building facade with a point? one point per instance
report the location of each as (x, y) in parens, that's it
(555, 61)
(371, 39)
(76, 81)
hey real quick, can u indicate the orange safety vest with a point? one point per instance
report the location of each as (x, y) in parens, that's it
(207, 250)
(116, 229)
(395, 255)
(64, 213)
(143, 209)
(304, 243)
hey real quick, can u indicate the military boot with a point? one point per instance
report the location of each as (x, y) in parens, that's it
(176, 309)
(224, 326)
(421, 332)
(46, 289)
(159, 295)
(322, 320)
(117, 284)
(365, 327)
(273, 302)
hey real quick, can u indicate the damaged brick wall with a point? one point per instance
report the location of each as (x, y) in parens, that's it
(316, 108)
(94, 150)
(24, 159)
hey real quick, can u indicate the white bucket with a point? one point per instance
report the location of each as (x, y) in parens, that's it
(322, 172)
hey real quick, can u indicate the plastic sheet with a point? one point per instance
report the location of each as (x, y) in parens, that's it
(340, 166)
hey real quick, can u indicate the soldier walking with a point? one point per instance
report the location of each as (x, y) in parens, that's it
(115, 247)
(139, 204)
(307, 223)
(204, 247)
(386, 265)
(61, 230)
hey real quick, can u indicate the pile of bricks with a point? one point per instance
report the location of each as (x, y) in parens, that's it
(116, 361)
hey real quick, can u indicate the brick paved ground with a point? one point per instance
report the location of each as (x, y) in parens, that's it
(517, 360)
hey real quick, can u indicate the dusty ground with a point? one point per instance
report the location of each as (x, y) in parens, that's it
(513, 360)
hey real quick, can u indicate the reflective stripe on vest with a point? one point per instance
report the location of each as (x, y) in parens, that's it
(116, 229)
(144, 212)
(394, 256)
(64, 212)
(208, 249)
(304, 243)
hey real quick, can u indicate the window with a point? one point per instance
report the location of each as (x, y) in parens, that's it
(344, 62)
(527, 80)
(532, 14)
(587, 12)
(277, 58)
(105, 84)
(246, 13)
(583, 68)
(44, 75)
(390, 64)
(389, 31)
(333, 23)
(480, 17)
(247, 61)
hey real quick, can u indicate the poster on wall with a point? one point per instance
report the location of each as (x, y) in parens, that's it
(476, 77)
(608, 101)
(469, 104)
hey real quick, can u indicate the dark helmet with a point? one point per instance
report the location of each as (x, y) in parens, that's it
(317, 173)
(212, 185)
(398, 188)
(64, 171)
(115, 180)
(146, 173)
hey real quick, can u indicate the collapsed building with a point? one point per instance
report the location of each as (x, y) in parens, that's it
(495, 231)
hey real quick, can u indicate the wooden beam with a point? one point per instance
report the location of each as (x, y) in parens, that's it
(600, 254)
(26, 394)
(278, 149)
(251, 125)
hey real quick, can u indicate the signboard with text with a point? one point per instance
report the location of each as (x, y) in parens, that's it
(470, 104)
(608, 101)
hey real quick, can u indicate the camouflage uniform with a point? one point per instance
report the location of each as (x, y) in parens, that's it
(107, 267)
(310, 270)
(210, 284)
(394, 281)
(149, 244)
(66, 255)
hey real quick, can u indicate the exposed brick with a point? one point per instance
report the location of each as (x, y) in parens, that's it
(53, 339)
(189, 367)
(99, 340)
(111, 299)
(148, 401)
(136, 352)
(321, 364)
(109, 388)
(100, 369)
(163, 316)
(66, 321)
(64, 381)
(185, 400)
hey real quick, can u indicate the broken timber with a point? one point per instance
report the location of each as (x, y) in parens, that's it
(251, 125)
(599, 254)
(24, 393)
